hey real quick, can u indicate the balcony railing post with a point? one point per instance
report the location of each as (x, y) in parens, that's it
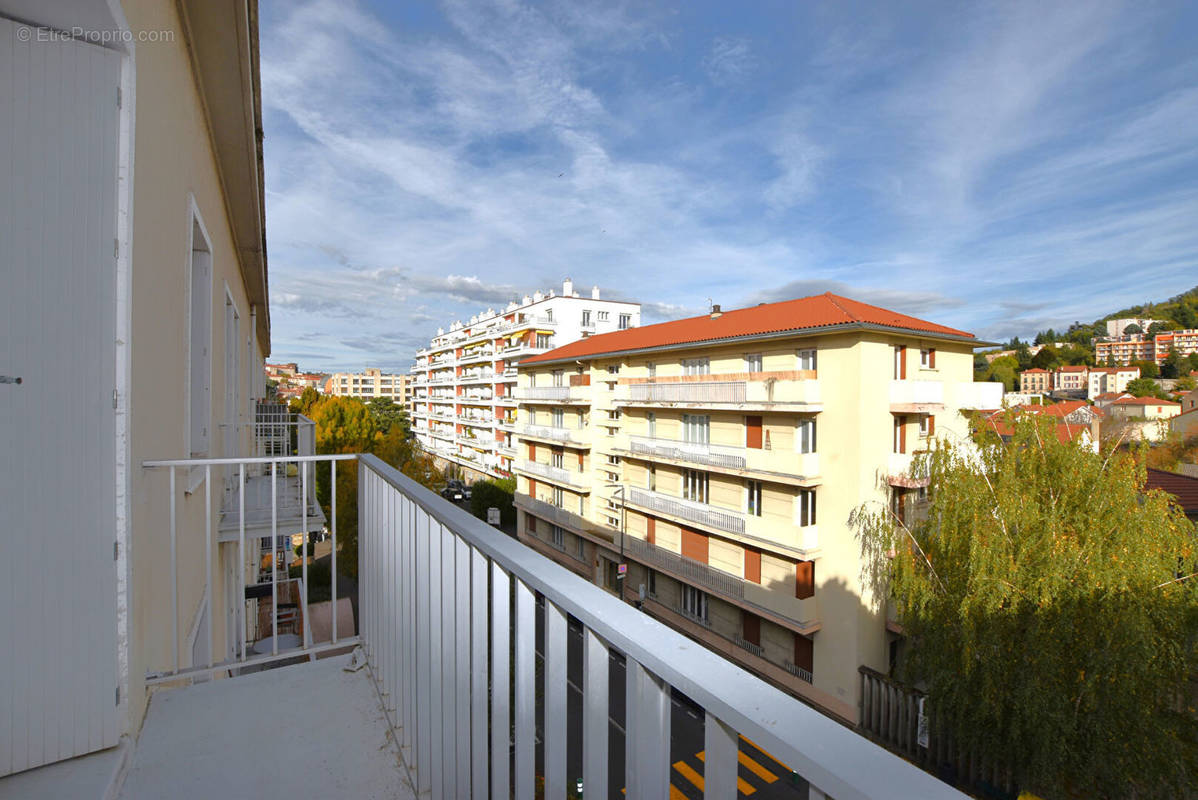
(208, 560)
(424, 652)
(647, 733)
(274, 559)
(446, 678)
(554, 735)
(720, 745)
(462, 640)
(479, 631)
(595, 714)
(174, 580)
(333, 559)
(501, 708)
(525, 678)
(241, 615)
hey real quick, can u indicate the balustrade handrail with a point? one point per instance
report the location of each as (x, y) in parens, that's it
(697, 452)
(702, 513)
(686, 392)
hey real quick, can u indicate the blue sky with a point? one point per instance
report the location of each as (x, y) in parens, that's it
(996, 167)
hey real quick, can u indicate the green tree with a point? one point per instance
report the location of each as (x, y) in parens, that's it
(1184, 384)
(1045, 614)
(1047, 358)
(499, 493)
(388, 414)
(1148, 369)
(1144, 387)
(1132, 329)
(306, 401)
(1157, 327)
(1023, 355)
(1172, 368)
(1005, 370)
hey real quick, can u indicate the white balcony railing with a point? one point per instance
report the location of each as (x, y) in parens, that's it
(555, 394)
(701, 513)
(702, 392)
(695, 452)
(558, 474)
(557, 434)
(916, 393)
(449, 625)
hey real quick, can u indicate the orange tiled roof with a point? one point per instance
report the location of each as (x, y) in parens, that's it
(1144, 401)
(1033, 369)
(1065, 432)
(804, 314)
(1073, 368)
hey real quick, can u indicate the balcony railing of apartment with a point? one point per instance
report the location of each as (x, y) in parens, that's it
(705, 392)
(696, 452)
(572, 435)
(692, 571)
(552, 394)
(701, 513)
(798, 672)
(476, 376)
(558, 474)
(915, 395)
(744, 643)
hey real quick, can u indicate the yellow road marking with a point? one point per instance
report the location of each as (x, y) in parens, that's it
(766, 752)
(755, 768)
(676, 793)
(685, 770)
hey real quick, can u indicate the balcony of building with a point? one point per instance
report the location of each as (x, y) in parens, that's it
(784, 466)
(554, 395)
(479, 669)
(577, 481)
(800, 395)
(801, 541)
(916, 397)
(903, 470)
(476, 376)
(575, 437)
(476, 356)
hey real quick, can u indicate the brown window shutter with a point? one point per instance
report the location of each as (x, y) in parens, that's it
(751, 628)
(932, 358)
(580, 462)
(804, 652)
(532, 488)
(900, 424)
(694, 545)
(753, 432)
(903, 362)
(805, 579)
(532, 452)
(931, 424)
(752, 565)
(530, 522)
(651, 529)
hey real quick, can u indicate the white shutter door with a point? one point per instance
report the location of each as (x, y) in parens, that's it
(58, 148)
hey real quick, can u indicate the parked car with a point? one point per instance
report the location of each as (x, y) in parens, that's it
(453, 492)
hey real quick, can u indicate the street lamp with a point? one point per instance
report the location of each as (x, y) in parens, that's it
(622, 568)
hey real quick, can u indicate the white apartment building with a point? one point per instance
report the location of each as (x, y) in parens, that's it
(463, 405)
(1117, 327)
(367, 385)
(1105, 380)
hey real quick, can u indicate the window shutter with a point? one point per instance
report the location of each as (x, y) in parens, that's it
(804, 652)
(532, 453)
(752, 565)
(804, 579)
(751, 628)
(530, 522)
(753, 432)
(651, 530)
(694, 545)
(532, 488)
(932, 358)
(931, 424)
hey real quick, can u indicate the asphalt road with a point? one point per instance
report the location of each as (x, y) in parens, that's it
(761, 776)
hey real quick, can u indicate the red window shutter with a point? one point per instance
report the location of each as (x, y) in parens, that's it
(532, 488)
(903, 362)
(750, 626)
(530, 522)
(752, 565)
(753, 432)
(932, 358)
(580, 462)
(900, 426)
(651, 530)
(805, 579)
(804, 652)
(532, 452)
(931, 424)
(694, 545)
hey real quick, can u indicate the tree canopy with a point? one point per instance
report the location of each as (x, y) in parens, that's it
(1144, 387)
(1045, 613)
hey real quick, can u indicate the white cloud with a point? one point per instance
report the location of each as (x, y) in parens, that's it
(730, 60)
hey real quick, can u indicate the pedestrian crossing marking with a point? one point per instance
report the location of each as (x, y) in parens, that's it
(676, 793)
(755, 768)
(745, 787)
(686, 771)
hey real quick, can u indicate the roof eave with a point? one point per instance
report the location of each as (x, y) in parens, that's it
(788, 334)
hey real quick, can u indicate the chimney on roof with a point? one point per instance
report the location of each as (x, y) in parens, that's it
(715, 311)
(594, 292)
(567, 288)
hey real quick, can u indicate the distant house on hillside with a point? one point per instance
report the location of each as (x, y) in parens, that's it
(1142, 417)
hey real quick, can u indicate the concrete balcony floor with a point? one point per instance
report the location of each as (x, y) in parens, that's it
(308, 730)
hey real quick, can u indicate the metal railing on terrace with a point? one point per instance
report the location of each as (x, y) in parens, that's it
(557, 434)
(693, 571)
(701, 513)
(699, 392)
(554, 394)
(716, 455)
(559, 474)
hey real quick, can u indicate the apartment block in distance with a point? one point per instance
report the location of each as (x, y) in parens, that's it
(719, 459)
(367, 385)
(462, 402)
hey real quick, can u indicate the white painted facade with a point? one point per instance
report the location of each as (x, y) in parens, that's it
(463, 406)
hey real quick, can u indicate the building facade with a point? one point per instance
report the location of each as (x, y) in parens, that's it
(1118, 327)
(1107, 380)
(1142, 347)
(1035, 381)
(368, 385)
(719, 458)
(463, 404)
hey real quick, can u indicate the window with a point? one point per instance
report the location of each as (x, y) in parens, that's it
(927, 358)
(651, 589)
(696, 366)
(651, 478)
(557, 458)
(753, 498)
(900, 434)
(805, 359)
(925, 424)
(696, 428)
(558, 377)
(559, 497)
(543, 339)
(579, 547)
(614, 414)
(900, 362)
(805, 436)
(613, 460)
(695, 485)
(549, 315)
(559, 418)
(586, 318)
(603, 316)
(753, 362)
(625, 321)
(613, 369)
(694, 603)
(651, 423)
(805, 508)
(652, 367)
(200, 344)
(558, 537)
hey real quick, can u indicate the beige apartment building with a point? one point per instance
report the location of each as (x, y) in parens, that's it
(720, 458)
(369, 384)
(1035, 381)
